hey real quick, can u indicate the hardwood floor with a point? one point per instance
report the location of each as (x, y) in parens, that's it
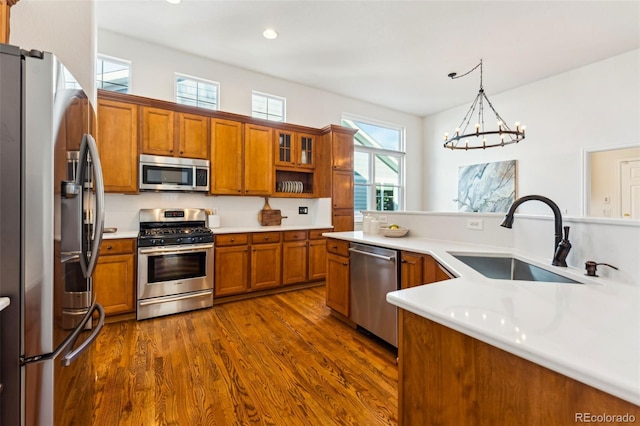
(274, 360)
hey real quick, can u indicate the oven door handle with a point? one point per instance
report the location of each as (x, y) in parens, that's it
(174, 299)
(171, 250)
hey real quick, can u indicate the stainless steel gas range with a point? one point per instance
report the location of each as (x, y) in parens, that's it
(175, 262)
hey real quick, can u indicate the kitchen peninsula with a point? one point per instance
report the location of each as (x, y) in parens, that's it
(474, 350)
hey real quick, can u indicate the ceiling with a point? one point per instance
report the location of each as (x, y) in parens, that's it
(391, 53)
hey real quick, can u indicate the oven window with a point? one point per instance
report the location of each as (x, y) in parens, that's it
(170, 267)
(156, 175)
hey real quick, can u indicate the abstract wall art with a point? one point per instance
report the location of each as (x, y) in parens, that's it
(487, 187)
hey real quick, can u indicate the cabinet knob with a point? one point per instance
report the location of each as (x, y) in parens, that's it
(181, 152)
(109, 247)
(233, 240)
(171, 151)
(345, 264)
(335, 247)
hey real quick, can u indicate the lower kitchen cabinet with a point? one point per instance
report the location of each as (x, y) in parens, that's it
(317, 254)
(295, 249)
(337, 286)
(266, 260)
(114, 279)
(231, 264)
(419, 268)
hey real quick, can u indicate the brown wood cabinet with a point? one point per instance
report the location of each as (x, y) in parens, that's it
(448, 378)
(342, 178)
(258, 160)
(419, 268)
(174, 134)
(226, 157)
(114, 279)
(338, 270)
(317, 254)
(294, 150)
(231, 264)
(117, 140)
(193, 136)
(266, 260)
(295, 249)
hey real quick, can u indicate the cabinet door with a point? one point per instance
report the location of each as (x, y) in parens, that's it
(294, 262)
(342, 151)
(305, 150)
(342, 194)
(117, 140)
(193, 138)
(258, 160)
(76, 123)
(337, 287)
(231, 270)
(412, 269)
(158, 131)
(226, 157)
(284, 148)
(433, 271)
(342, 220)
(266, 261)
(114, 283)
(317, 259)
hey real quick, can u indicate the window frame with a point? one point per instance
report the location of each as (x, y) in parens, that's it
(114, 60)
(372, 152)
(268, 96)
(198, 80)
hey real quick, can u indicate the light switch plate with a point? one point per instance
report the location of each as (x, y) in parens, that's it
(475, 224)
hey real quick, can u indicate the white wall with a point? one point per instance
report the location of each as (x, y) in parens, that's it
(63, 27)
(590, 107)
(153, 69)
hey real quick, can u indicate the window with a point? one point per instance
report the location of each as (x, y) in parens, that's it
(197, 92)
(378, 165)
(113, 74)
(268, 107)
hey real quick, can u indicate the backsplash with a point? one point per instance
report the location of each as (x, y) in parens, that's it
(616, 242)
(122, 210)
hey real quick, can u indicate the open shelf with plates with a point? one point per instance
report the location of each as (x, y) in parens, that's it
(293, 184)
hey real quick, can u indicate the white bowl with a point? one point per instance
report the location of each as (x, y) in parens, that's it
(394, 233)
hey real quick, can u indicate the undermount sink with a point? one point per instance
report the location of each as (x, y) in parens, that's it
(510, 268)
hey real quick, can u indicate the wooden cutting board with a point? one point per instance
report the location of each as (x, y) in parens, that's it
(268, 216)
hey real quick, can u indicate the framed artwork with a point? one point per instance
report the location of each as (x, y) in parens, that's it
(487, 187)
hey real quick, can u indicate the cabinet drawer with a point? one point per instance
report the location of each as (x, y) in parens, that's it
(338, 247)
(120, 246)
(295, 235)
(316, 234)
(231, 240)
(265, 237)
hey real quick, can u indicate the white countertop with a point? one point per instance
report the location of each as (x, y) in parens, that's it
(226, 230)
(589, 332)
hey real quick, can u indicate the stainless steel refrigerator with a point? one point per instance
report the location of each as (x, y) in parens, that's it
(51, 223)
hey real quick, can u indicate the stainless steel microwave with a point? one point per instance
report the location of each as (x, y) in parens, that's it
(159, 173)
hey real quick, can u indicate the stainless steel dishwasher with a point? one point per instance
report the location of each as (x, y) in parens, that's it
(374, 273)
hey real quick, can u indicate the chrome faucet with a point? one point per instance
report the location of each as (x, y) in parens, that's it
(561, 245)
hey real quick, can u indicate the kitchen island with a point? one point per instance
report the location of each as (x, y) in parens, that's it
(472, 347)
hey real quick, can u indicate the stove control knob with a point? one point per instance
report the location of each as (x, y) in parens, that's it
(201, 239)
(161, 241)
(178, 240)
(154, 242)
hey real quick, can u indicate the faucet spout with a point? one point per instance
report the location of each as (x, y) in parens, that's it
(558, 256)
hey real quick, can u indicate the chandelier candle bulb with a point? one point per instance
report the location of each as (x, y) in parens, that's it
(517, 126)
(458, 132)
(477, 128)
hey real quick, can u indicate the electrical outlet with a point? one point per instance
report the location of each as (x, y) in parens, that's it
(475, 224)
(383, 218)
(606, 199)
(303, 210)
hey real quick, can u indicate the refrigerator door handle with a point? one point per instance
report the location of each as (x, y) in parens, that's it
(89, 147)
(71, 356)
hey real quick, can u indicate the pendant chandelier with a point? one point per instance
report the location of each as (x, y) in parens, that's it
(466, 137)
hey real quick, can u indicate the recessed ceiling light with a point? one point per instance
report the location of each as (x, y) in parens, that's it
(174, 1)
(270, 34)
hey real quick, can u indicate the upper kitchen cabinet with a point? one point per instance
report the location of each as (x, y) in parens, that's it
(226, 157)
(342, 148)
(193, 136)
(341, 142)
(295, 150)
(117, 139)
(258, 160)
(241, 158)
(174, 134)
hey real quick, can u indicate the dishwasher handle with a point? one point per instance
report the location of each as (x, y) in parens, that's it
(378, 256)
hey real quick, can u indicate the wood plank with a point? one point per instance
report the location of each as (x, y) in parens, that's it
(281, 359)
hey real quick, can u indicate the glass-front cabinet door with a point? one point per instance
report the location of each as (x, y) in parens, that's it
(295, 150)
